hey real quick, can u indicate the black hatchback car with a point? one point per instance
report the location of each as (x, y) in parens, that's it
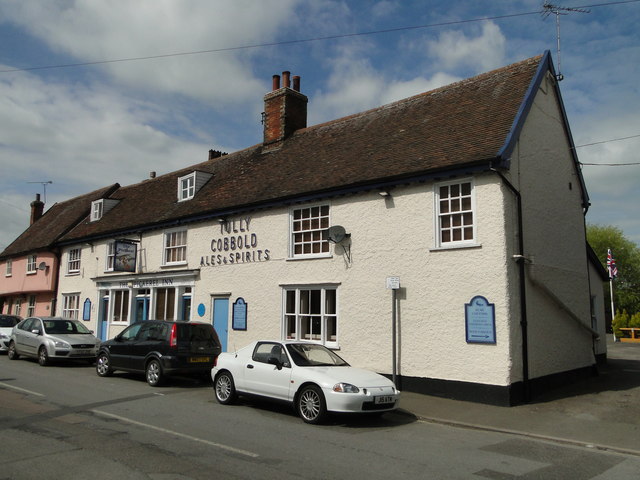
(159, 349)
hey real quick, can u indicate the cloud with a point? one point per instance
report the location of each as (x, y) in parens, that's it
(107, 30)
(485, 51)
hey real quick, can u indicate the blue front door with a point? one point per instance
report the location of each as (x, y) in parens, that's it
(142, 309)
(221, 320)
(103, 322)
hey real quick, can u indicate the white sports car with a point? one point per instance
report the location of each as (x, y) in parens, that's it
(310, 376)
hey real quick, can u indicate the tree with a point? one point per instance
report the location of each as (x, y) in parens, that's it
(626, 287)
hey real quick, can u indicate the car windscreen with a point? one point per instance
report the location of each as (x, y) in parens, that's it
(9, 321)
(66, 327)
(309, 355)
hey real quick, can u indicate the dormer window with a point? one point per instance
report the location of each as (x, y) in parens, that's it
(100, 207)
(189, 185)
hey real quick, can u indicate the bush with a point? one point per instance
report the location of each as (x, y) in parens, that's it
(634, 321)
(621, 320)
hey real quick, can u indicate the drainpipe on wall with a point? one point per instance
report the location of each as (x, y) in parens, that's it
(523, 290)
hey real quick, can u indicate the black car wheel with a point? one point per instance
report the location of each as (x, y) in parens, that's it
(154, 374)
(13, 353)
(225, 388)
(103, 366)
(311, 405)
(43, 356)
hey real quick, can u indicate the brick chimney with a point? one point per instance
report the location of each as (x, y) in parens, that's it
(37, 207)
(285, 110)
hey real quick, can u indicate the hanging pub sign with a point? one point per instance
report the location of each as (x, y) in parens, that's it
(480, 320)
(125, 256)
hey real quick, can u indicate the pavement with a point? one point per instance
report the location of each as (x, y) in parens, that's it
(600, 412)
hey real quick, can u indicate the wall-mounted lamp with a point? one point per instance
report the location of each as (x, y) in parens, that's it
(384, 193)
(221, 220)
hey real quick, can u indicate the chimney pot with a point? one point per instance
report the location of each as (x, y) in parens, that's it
(152, 174)
(296, 83)
(276, 82)
(285, 79)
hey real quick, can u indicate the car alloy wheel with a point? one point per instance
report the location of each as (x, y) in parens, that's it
(311, 405)
(154, 373)
(43, 357)
(225, 388)
(103, 369)
(12, 353)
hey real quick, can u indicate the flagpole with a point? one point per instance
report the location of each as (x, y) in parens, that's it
(613, 312)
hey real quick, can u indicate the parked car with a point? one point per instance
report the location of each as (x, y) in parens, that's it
(159, 349)
(49, 338)
(7, 322)
(312, 378)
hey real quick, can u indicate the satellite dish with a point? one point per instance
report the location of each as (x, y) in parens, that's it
(42, 266)
(336, 234)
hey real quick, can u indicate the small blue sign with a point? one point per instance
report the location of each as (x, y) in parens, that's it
(86, 311)
(201, 309)
(239, 314)
(480, 321)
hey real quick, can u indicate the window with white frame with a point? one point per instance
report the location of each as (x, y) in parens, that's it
(31, 308)
(121, 306)
(17, 308)
(307, 227)
(97, 209)
(165, 303)
(9, 268)
(73, 261)
(175, 247)
(310, 313)
(110, 256)
(71, 306)
(187, 187)
(32, 260)
(455, 213)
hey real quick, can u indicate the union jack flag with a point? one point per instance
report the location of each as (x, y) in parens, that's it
(611, 265)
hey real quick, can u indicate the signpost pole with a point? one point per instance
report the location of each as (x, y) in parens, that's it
(393, 333)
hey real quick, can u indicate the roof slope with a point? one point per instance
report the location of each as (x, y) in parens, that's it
(55, 222)
(460, 125)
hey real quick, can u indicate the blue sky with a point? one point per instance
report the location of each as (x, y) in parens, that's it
(89, 126)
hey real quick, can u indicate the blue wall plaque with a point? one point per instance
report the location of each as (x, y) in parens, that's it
(480, 320)
(201, 310)
(239, 314)
(86, 311)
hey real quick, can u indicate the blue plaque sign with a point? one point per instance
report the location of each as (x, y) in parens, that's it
(239, 314)
(201, 310)
(86, 311)
(480, 321)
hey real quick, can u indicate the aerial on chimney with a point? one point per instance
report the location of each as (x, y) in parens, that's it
(285, 110)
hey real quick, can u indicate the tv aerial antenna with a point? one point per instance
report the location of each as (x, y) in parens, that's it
(557, 11)
(44, 186)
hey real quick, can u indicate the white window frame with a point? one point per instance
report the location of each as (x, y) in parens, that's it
(174, 251)
(110, 256)
(187, 187)
(74, 258)
(71, 306)
(307, 227)
(325, 314)
(97, 210)
(31, 306)
(17, 308)
(9, 268)
(455, 214)
(32, 264)
(121, 306)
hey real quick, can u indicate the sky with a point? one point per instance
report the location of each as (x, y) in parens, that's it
(100, 92)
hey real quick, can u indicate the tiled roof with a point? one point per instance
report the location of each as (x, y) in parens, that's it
(455, 126)
(55, 222)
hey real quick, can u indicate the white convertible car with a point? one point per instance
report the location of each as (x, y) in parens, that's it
(308, 375)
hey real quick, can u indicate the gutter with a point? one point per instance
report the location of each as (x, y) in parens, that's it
(520, 259)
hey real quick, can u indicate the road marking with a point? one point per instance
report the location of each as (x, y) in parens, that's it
(20, 389)
(171, 432)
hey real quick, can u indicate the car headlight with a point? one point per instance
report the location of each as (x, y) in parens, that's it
(4, 336)
(59, 344)
(345, 388)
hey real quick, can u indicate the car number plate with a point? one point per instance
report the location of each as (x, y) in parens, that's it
(383, 399)
(83, 352)
(199, 359)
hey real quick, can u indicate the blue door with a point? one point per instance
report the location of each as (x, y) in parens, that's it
(103, 323)
(142, 309)
(221, 320)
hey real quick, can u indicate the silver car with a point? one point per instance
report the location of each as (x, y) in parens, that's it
(48, 338)
(7, 322)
